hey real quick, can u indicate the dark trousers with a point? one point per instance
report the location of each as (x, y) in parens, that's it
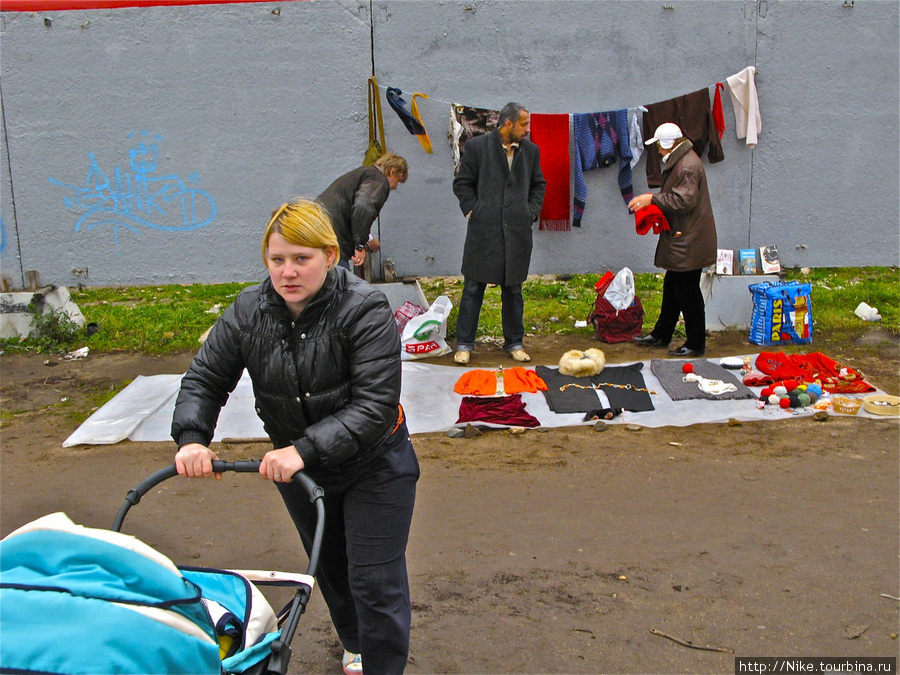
(682, 295)
(362, 569)
(512, 311)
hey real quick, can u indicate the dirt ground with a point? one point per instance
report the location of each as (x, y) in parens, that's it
(555, 552)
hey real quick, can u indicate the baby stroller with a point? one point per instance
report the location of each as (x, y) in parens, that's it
(82, 600)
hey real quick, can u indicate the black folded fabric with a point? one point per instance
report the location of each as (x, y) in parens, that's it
(630, 399)
(575, 399)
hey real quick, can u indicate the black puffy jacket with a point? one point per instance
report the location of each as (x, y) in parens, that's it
(328, 383)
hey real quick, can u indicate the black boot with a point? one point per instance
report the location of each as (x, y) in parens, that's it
(649, 341)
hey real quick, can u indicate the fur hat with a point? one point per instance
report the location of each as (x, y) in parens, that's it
(582, 364)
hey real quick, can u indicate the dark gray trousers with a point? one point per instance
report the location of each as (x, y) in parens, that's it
(511, 315)
(362, 569)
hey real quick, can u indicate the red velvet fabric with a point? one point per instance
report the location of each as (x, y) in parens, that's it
(509, 410)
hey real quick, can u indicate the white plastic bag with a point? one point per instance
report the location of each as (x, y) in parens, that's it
(867, 313)
(423, 335)
(620, 293)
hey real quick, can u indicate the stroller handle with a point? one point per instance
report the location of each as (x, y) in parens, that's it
(241, 466)
(281, 647)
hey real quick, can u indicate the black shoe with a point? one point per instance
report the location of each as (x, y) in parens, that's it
(687, 353)
(649, 341)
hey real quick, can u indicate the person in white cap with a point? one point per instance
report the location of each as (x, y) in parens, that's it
(687, 247)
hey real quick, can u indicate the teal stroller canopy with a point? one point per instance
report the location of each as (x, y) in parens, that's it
(82, 601)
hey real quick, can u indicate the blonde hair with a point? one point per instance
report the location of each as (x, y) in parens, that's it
(390, 161)
(303, 223)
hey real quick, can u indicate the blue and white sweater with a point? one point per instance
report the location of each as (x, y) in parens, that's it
(600, 139)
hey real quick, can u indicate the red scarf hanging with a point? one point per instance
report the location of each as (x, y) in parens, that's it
(717, 112)
(551, 134)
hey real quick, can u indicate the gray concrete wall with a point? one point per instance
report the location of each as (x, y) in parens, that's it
(149, 145)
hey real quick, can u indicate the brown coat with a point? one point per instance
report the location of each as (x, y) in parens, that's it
(684, 200)
(693, 115)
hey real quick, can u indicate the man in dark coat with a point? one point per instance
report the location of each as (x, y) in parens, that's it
(500, 189)
(354, 201)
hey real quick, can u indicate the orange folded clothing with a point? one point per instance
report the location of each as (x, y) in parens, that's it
(517, 380)
(477, 383)
(484, 382)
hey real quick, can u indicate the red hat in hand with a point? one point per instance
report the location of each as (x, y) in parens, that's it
(650, 217)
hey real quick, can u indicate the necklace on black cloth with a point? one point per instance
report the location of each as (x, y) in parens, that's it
(630, 387)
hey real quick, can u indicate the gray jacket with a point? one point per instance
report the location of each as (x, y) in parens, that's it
(684, 200)
(504, 203)
(354, 201)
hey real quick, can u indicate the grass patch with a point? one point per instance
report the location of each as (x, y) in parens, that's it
(153, 319)
(93, 401)
(169, 319)
(836, 292)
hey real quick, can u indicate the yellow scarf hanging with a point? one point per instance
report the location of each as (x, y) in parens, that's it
(376, 140)
(414, 110)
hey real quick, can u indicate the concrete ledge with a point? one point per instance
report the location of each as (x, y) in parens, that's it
(729, 304)
(398, 292)
(16, 320)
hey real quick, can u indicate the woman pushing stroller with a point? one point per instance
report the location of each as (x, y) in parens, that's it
(323, 353)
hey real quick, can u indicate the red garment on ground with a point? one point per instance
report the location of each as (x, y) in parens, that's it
(508, 410)
(551, 134)
(815, 367)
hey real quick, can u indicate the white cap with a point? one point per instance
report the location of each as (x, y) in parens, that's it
(666, 134)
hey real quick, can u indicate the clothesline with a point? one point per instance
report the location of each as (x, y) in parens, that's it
(574, 143)
(433, 99)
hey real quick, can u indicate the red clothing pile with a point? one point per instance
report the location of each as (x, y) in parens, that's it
(815, 367)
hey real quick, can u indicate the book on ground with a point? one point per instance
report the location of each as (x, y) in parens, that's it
(769, 260)
(725, 261)
(748, 261)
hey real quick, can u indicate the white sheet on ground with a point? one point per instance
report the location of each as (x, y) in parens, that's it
(127, 410)
(143, 410)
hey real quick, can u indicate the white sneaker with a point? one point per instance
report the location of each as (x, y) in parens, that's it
(519, 355)
(352, 663)
(462, 358)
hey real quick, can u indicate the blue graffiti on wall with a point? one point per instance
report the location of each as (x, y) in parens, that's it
(139, 197)
(2, 236)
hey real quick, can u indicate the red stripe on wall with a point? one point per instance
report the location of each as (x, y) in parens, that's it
(60, 5)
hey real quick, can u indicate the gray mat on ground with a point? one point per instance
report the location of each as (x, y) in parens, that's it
(671, 377)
